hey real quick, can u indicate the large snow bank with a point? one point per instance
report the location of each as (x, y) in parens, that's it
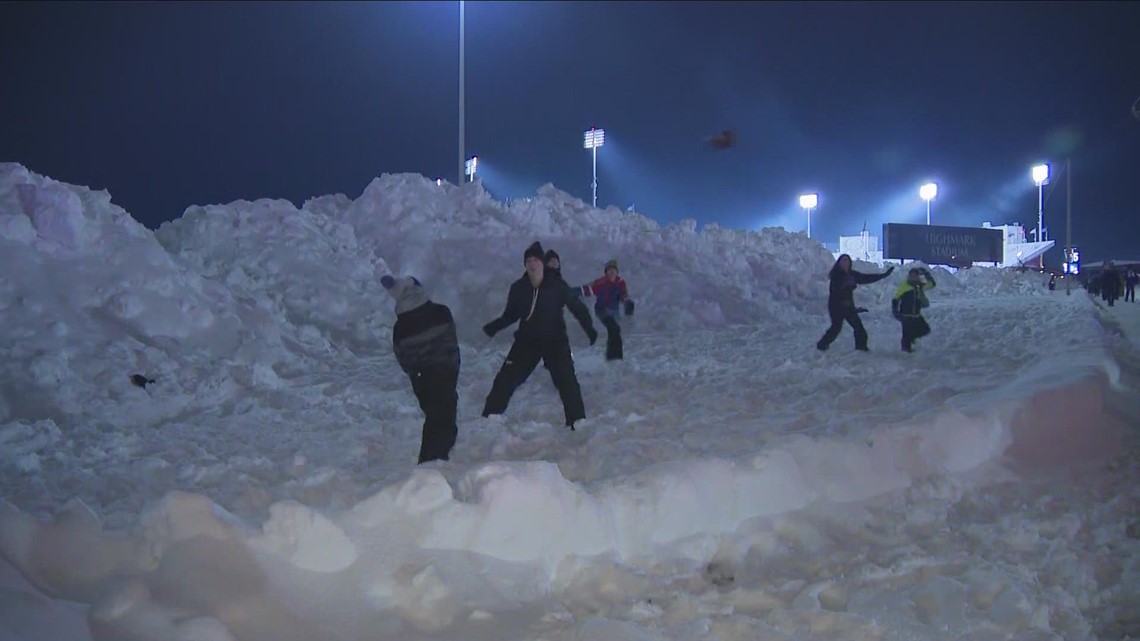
(710, 448)
(468, 248)
(89, 298)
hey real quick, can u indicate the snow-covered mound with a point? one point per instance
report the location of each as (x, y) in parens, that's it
(88, 297)
(973, 283)
(731, 482)
(468, 248)
(306, 267)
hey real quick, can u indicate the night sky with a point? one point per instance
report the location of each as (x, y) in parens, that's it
(168, 105)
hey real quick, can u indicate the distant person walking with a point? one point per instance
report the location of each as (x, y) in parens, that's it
(1111, 283)
(841, 302)
(1130, 282)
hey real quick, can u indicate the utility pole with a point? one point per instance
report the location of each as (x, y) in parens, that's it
(462, 98)
(1068, 221)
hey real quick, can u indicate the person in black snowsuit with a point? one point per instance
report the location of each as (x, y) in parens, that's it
(427, 349)
(554, 265)
(1110, 283)
(1130, 282)
(536, 302)
(841, 302)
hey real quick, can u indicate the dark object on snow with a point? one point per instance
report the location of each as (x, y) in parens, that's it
(629, 307)
(724, 140)
(861, 310)
(138, 380)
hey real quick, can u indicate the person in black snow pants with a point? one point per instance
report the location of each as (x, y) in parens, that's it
(1130, 282)
(554, 266)
(1111, 284)
(536, 302)
(908, 303)
(841, 302)
(427, 349)
(610, 295)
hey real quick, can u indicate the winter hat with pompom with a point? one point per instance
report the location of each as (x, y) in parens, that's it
(407, 291)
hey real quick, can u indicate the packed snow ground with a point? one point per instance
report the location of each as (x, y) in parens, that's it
(730, 483)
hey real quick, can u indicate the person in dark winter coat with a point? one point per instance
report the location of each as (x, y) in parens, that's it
(610, 294)
(1111, 284)
(841, 302)
(427, 349)
(908, 303)
(1130, 282)
(554, 264)
(536, 302)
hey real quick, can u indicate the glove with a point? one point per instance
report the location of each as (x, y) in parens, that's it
(629, 307)
(593, 335)
(860, 310)
(489, 330)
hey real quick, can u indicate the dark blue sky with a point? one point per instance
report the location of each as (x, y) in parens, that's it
(172, 104)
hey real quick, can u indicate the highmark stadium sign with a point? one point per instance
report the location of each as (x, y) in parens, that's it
(943, 245)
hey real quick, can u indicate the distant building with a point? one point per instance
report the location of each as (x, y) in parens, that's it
(1016, 250)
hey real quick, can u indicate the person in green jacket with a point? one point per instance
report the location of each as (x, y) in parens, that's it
(908, 303)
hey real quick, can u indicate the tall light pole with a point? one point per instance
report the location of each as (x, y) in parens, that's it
(470, 167)
(927, 192)
(1069, 222)
(1040, 175)
(809, 202)
(462, 95)
(595, 138)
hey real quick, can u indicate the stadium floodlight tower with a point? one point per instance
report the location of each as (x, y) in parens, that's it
(471, 165)
(1040, 175)
(809, 202)
(927, 192)
(462, 93)
(595, 138)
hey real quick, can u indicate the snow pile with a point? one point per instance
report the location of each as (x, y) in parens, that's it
(284, 260)
(973, 283)
(731, 483)
(468, 248)
(89, 298)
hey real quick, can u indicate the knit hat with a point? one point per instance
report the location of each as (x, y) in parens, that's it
(611, 263)
(550, 253)
(407, 291)
(535, 250)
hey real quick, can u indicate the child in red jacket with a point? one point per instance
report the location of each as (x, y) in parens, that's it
(610, 295)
